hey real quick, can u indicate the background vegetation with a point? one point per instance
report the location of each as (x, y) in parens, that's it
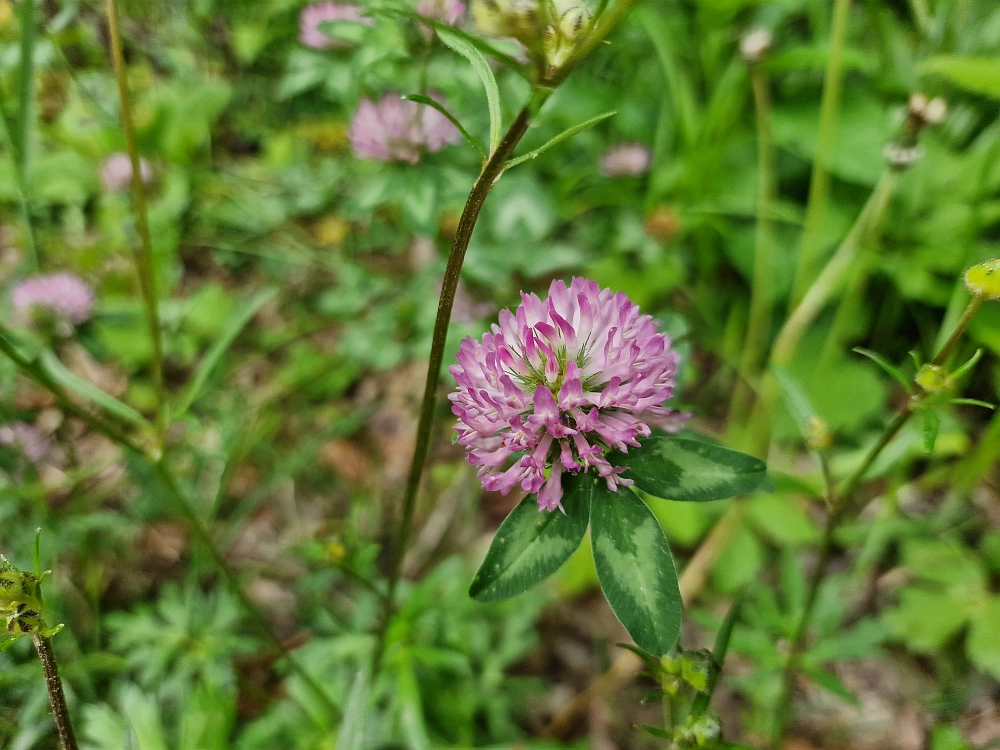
(298, 289)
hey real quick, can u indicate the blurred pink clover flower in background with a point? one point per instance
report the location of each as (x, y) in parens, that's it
(395, 129)
(312, 16)
(65, 296)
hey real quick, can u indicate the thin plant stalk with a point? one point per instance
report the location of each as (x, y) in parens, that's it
(144, 257)
(474, 205)
(810, 248)
(761, 294)
(60, 711)
(813, 302)
(842, 503)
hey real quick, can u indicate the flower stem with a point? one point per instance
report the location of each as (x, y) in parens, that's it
(144, 257)
(64, 729)
(759, 320)
(810, 248)
(841, 504)
(466, 224)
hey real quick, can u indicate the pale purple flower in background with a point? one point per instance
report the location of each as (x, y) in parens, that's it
(116, 172)
(450, 12)
(28, 438)
(626, 160)
(394, 129)
(560, 383)
(312, 16)
(63, 295)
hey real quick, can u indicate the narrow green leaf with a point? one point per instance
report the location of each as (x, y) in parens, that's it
(530, 544)
(652, 662)
(635, 567)
(972, 402)
(722, 638)
(424, 99)
(234, 324)
(980, 75)
(832, 684)
(463, 47)
(7, 640)
(356, 712)
(932, 424)
(569, 133)
(895, 372)
(402, 11)
(57, 371)
(674, 467)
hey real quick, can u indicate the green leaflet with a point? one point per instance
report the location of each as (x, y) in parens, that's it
(530, 545)
(684, 468)
(635, 567)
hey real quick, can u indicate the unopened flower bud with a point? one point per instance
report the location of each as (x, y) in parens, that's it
(917, 104)
(934, 379)
(817, 433)
(755, 45)
(570, 23)
(935, 111)
(983, 279)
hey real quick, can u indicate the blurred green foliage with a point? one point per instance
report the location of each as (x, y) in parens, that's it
(292, 441)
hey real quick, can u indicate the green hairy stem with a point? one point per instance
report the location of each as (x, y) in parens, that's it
(467, 223)
(64, 729)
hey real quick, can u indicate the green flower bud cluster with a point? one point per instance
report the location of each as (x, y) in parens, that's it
(702, 731)
(20, 602)
(549, 29)
(692, 667)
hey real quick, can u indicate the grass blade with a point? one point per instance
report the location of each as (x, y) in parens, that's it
(424, 99)
(569, 133)
(234, 324)
(462, 46)
(895, 372)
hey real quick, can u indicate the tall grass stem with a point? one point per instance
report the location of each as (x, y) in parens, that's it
(811, 247)
(144, 257)
(762, 291)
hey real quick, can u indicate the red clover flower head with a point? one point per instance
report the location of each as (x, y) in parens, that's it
(312, 16)
(394, 129)
(560, 383)
(63, 295)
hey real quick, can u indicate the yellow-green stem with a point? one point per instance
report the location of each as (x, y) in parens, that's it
(813, 302)
(761, 293)
(810, 248)
(144, 256)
